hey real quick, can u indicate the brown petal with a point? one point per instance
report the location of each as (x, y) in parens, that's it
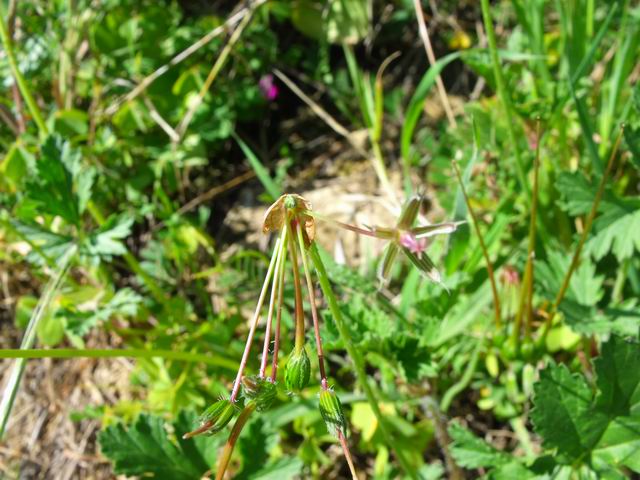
(275, 217)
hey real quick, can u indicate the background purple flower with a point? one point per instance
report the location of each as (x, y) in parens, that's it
(268, 88)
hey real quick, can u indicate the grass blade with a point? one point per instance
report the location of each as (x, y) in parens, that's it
(261, 172)
(11, 389)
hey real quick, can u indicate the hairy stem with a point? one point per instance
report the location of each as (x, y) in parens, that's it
(358, 361)
(531, 251)
(225, 456)
(347, 455)
(256, 318)
(299, 309)
(585, 233)
(483, 247)
(314, 310)
(276, 342)
(275, 290)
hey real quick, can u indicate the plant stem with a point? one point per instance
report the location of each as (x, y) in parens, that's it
(11, 390)
(464, 381)
(314, 310)
(503, 94)
(208, 358)
(424, 35)
(276, 343)
(583, 237)
(22, 84)
(358, 360)
(256, 318)
(347, 455)
(225, 456)
(299, 309)
(275, 290)
(526, 290)
(483, 247)
(531, 251)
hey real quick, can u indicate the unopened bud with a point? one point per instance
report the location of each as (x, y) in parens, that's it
(332, 414)
(297, 371)
(214, 418)
(260, 391)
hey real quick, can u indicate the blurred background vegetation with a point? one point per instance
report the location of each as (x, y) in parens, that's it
(142, 143)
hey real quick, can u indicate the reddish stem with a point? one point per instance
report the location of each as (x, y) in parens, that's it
(275, 288)
(314, 310)
(347, 454)
(223, 461)
(276, 344)
(254, 322)
(299, 310)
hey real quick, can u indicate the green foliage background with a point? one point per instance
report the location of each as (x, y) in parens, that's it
(114, 181)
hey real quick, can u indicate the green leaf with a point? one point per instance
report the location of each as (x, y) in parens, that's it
(616, 381)
(145, 447)
(52, 188)
(340, 21)
(616, 228)
(470, 451)
(617, 231)
(577, 193)
(107, 240)
(584, 292)
(254, 446)
(562, 413)
(124, 303)
(600, 430)
(46, 245)
(285, 468)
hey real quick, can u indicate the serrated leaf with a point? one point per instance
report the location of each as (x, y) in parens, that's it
(562, 415)
(601, 430)
(107, 240)
(125, 303)
(616, 381)
(632, 138)
(285, 468)
(145, 447)
(470, 451)
(577, 193)
(584, 292)
(45, 244)
(254, 446)
(616, 228)
(616, 231)
(60, 187)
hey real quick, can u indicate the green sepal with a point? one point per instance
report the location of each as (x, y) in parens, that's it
(260, 391)
(215, 418)
(297, 371)
(332, 414)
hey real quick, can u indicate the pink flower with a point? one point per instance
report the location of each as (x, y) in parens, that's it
(415, 245)
(268, 88)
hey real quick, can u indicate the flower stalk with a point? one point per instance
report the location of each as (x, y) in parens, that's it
(256, 318)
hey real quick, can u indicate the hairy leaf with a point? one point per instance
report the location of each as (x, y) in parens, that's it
(584, 427)
(145, 447)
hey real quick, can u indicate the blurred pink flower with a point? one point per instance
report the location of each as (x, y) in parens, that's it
(268, 88)
(415, 245)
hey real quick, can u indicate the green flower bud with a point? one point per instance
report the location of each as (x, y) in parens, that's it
(332, 414)
(214, 418)
(297, 371)
(260, 391)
